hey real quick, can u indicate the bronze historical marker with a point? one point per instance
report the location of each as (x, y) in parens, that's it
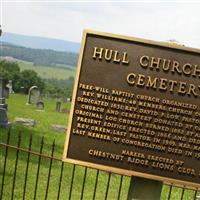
(136, 109)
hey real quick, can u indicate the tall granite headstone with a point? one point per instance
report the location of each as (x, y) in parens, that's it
(4, 118)
(4, 93)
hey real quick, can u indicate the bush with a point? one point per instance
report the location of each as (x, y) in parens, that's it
(26, 79)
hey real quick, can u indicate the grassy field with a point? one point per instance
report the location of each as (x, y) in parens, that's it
(18, 108)
(48, 72)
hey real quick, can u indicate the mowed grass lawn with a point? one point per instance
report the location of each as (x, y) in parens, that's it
(37, 187)
(17, 108)
(49, 72)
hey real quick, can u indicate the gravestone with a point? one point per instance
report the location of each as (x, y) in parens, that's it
(6, 90)
(58, 128)
(58, 106)
(33, 95)
(3, 118)
(25, 122)
(3, 93)
(10, 87)
(69, 99)
(40, 105)
(2, 98)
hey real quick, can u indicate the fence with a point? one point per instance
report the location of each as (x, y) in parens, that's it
(29, 174)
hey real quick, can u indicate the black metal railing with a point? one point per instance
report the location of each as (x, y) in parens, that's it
(29, 174)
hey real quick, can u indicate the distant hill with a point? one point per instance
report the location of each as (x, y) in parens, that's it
(43, 57)
(40, 42)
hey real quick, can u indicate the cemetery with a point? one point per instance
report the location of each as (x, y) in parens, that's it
(22, 117)
(105, 114)
(33, 130)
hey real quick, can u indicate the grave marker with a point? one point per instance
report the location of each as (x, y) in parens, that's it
(33, 95)
(4, 93)
(58, 106)
(10, 87)
(3, 106)
(4, 119)
(40, 105)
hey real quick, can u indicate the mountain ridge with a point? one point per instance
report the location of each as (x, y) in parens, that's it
(37, 42)
(46, 57)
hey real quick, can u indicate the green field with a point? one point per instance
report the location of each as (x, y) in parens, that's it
(48, 72)
(18, 108)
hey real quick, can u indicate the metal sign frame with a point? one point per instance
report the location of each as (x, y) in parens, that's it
(109, 168)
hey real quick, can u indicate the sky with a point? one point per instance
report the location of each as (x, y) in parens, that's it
(154, 20)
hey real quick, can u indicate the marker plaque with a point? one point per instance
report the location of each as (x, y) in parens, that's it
(136, 109)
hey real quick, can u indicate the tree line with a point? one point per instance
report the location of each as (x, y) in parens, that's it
(45, 57)
(23, 80)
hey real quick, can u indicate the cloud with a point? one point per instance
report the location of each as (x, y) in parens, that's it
(156, 21)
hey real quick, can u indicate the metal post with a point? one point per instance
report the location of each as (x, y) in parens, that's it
(144, 189)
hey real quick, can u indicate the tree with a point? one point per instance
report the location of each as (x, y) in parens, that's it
(27, 78)
(30, 78)
(8, 69)
(59, 88)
